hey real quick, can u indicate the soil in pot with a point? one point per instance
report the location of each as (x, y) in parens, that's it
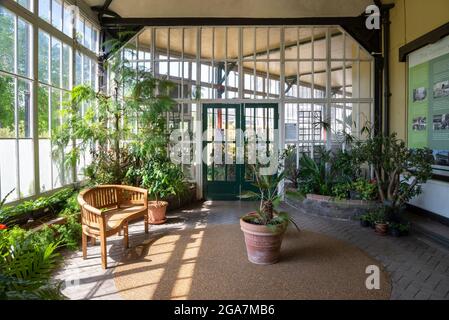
(381, 228)
(156, 212)
(263, 244)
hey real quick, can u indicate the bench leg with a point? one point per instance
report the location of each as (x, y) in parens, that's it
(146, 222)
(104, 254)
(126, 235)
(93, 241)
(84, 244)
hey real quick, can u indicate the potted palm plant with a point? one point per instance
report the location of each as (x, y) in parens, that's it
(264, 228)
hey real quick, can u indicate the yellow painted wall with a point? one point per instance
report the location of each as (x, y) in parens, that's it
(410, 19)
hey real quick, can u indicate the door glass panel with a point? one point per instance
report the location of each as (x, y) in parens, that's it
(258, 147)
(230, 161)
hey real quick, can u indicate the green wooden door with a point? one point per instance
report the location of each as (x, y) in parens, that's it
(225, 176)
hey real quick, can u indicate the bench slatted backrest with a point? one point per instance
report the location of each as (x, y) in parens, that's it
(129, 197)
(103, 197)
(100, 198)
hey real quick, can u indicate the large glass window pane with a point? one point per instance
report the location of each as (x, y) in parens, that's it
(319, 43)
(86, 71)
(94, 46)
(68, 21)
(26, 167)
(44, 51)
(93, 75)
(8, 168)
(55, 62)
(248, 42)
(274, 38)
(206, 43)
(43, 113)
(8, 165)
(24, 108)
(6, 40)
(57, 161)
(80, 30)
(66, 66)
(88, 35)
(44, 9)
(23, 48)
(45, 166)
(7, 117)
(78, 68)
(56, 14)
(27, 4)
(55, 108)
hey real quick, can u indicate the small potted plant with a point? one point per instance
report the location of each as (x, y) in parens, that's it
(365, 220)
(380, 222)
(399, 229)
(264, 228)
(162, 179)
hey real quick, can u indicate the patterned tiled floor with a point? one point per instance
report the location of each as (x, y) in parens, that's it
(419, 269)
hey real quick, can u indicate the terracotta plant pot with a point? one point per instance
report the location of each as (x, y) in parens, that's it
(381, 228)
(156, 212)
(263, 245)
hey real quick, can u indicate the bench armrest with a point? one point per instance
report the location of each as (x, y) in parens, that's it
(93, 210)
(83, 204)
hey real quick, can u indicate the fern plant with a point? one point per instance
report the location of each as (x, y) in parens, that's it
(26, 268)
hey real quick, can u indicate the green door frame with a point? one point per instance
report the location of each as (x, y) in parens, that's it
(229, 187)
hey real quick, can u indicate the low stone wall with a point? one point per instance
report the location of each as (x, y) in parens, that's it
(330, 207)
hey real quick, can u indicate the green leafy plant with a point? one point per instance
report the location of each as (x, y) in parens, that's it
(399, 171)
(162, 179)
(313, 176)
(321, 176)
(292, 173)
(104, 124)
(20, 213)
(366, 217)
(374, 216)
(26, 267)
(402, 227)
(379, 216)
(367, 189)
(341, 190)
(151, 167)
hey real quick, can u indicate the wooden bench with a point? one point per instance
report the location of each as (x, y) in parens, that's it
(107, 209)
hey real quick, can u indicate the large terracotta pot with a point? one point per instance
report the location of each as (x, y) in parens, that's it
(156, 212)
(263, 245)
(381, 228)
